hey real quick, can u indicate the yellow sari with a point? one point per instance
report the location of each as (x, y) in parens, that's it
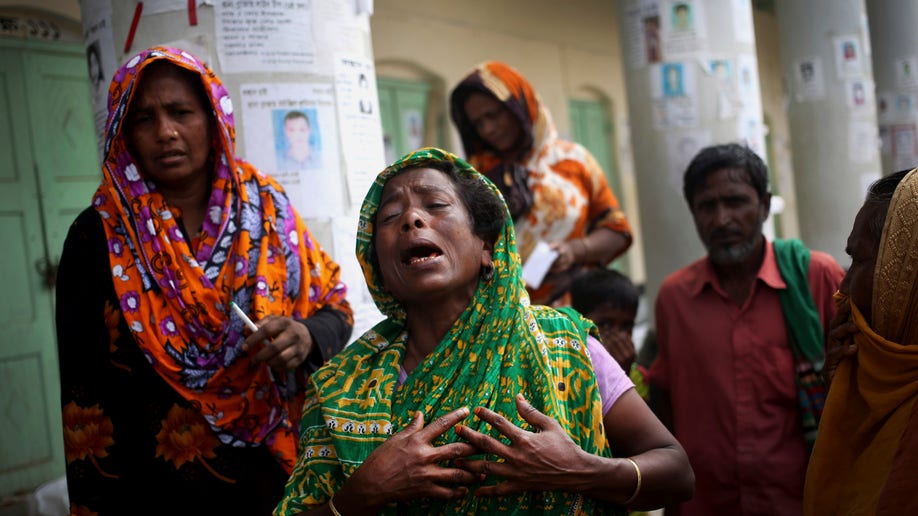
(866, 456)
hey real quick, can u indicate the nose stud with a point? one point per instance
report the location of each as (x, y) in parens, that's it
(175, 134)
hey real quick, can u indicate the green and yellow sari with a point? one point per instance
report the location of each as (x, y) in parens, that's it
(499, 346)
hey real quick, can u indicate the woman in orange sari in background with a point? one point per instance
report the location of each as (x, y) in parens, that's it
(555, 189)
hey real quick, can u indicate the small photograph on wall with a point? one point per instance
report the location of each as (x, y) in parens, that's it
(907, 73)
(858, 95)
(298, 139)
(673, 80)
(809, 79)
(848, 59)
(683, 28)
(675, 94)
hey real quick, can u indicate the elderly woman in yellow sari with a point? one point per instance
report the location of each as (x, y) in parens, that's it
(865, 460)
(522, 420)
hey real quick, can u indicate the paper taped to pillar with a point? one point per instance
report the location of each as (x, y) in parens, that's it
(265, 36)
(361, 129)
(291, 131)
(848, 60)
(684, 29)
(809, 79)
(674, 88)
(642, 29)
(100, 59)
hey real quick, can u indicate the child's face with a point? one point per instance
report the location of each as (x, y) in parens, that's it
(613, 321)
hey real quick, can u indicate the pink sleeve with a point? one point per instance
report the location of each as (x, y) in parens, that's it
(610, 377)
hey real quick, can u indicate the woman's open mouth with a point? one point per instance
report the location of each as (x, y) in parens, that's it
(420, 254)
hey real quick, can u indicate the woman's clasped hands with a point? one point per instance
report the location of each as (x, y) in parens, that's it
(410, 466)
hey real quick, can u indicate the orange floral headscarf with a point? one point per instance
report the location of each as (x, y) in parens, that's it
(555, 189)
(253, 249)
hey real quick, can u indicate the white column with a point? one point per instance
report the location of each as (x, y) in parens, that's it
(825, 55)
(894, 41)
(691, 76)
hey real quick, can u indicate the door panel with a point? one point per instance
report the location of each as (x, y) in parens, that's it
(47, 175)
(63, 144)
(403, 113)
(590, 127)
(31, 450)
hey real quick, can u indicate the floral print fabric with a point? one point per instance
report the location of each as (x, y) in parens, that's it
(569, 193)
(160, 303)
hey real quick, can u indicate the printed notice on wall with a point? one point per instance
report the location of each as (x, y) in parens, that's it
(291, 134)
(265, 35)
(166, 6)
(643, 30)
(848, 56)
(904, 145)
(683, 27)
(341, 31)
(361, 129)
(681, 146)
(809, 80)
(673, 86)
(863, 141)
(907, 73)
(100, 59)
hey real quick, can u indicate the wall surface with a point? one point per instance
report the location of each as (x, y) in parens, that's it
(66, 8)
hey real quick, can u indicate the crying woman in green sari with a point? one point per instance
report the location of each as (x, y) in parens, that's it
(467, 399)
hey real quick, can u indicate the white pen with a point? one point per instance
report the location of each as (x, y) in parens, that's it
(283, 382)
(245, 318)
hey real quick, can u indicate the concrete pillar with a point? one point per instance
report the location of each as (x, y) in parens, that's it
(691, 76)
(895, 69)
(825, 55)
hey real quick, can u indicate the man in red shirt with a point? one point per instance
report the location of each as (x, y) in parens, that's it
(726, 369)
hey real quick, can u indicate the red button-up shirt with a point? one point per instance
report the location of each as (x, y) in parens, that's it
(729, 373)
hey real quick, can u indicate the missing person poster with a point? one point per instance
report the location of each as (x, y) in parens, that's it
(291, 134)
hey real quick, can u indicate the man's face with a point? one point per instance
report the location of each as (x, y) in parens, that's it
(729, 215)
(296, 130)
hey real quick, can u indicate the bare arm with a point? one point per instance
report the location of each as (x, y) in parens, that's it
(549, 459)
(599, 247)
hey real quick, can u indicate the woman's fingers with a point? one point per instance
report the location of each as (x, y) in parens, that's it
(621, 348)
(281, 342)
(538, 420)
(443, 424)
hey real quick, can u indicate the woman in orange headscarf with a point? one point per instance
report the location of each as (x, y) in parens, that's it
(865, 460)
(170, 405)
(555, 189)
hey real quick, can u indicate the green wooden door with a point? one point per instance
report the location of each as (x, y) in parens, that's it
(49, 171)
(403, 112)
(591, 128)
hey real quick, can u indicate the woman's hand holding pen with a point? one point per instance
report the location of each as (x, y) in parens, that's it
(281, 342)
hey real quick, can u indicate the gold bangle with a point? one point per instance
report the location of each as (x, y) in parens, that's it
(331, 505)
(637, 488)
